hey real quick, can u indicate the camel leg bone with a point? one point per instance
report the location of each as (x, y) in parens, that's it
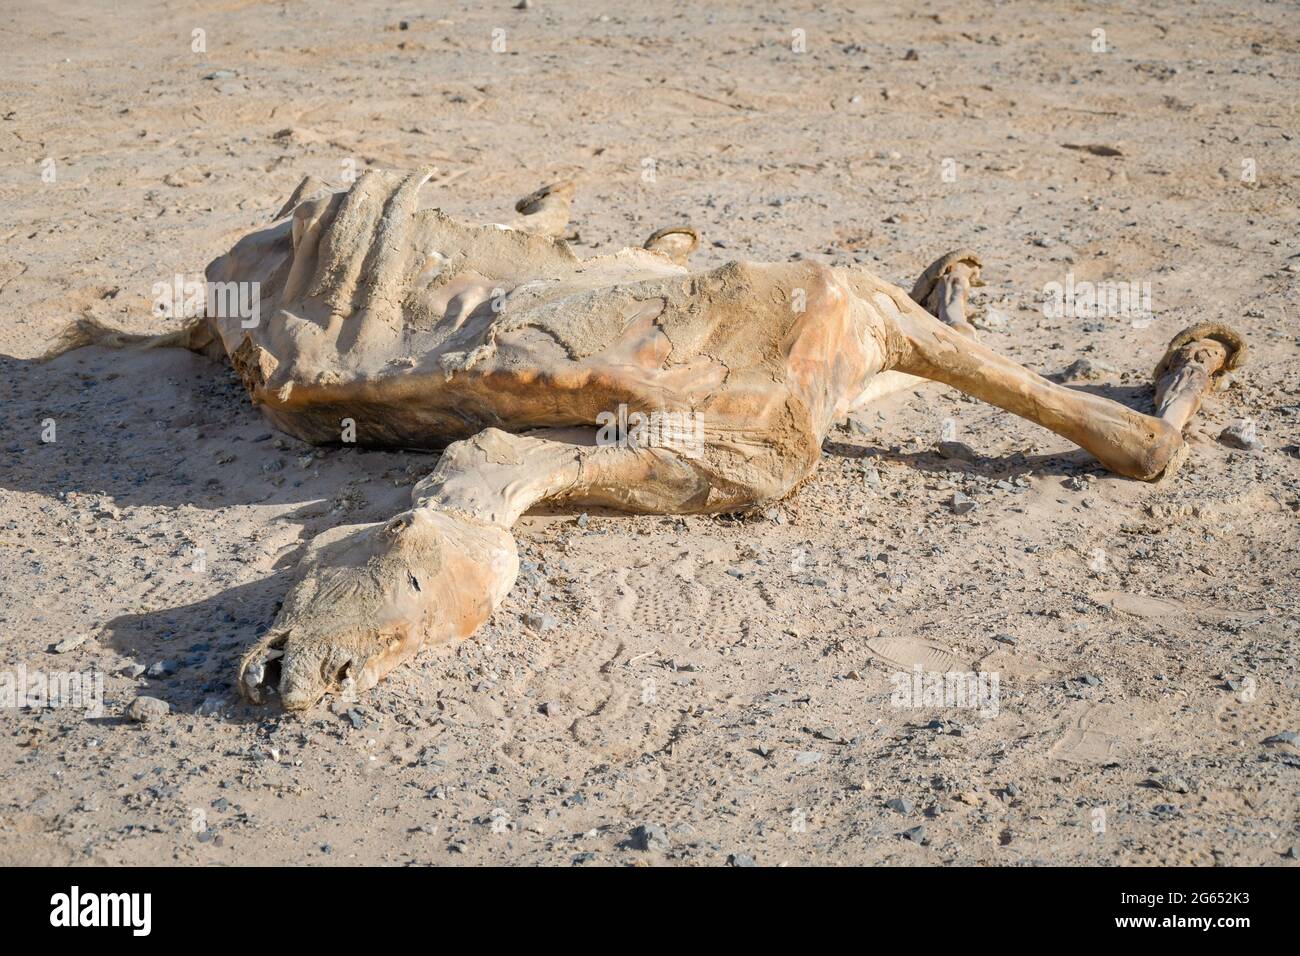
(1124, 440)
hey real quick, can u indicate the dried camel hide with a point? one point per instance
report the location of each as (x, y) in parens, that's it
(414, 330)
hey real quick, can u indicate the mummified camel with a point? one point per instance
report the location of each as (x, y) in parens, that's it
(415, 331)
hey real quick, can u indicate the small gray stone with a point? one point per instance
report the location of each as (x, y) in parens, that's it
(961, 504)
(957, 449)
(650, 836)
(1285, 737)
(1010, 639)
(1086, 370)
(143, 710)
(915, 834)
(72, 642)
(541, 623)
(1240, 435)
(741, 859)
(900, 805)
(1171, 783)
(212, 705)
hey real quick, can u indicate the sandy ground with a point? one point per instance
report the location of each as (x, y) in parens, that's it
(723, 683)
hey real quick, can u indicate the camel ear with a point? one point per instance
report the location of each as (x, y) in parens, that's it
(309, 188)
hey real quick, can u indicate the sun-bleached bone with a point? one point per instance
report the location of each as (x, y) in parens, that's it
(402, 327)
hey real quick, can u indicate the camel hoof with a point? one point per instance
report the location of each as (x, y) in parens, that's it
(554, 192)
(941, 267)
(675, 242)
(1234, 344)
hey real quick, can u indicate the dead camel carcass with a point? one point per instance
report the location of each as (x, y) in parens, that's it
(405, 328)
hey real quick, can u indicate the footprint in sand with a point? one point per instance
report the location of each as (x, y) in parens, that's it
(1103, 733)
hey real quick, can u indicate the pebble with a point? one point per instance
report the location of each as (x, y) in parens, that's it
(1240, 435)
(1285, 737)
(212, 705)
(1010, 639)
(1167, 781)
(541, 623)
(649, 836)
(915, 834)
(741, 859)
(1087, 370)
(961, 504)
(146, 709)
(899, 805)
(70, 643)
(957, 449)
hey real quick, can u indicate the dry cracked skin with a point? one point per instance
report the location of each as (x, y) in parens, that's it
(724, 632)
